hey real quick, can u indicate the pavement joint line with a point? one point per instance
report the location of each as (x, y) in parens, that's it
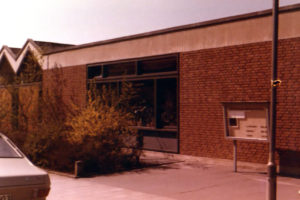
(278, 182)
(202, 188)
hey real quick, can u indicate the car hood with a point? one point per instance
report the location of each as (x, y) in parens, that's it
(20, 171)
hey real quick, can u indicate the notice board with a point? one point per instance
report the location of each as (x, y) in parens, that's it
(246, 120)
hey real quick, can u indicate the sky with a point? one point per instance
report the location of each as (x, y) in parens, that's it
(84, 21)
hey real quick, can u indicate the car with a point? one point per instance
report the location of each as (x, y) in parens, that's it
(19, 178)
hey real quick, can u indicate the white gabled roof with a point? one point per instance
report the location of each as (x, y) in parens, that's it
(15, 56)
(15, 60)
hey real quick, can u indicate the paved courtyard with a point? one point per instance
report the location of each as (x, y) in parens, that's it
(175, 180)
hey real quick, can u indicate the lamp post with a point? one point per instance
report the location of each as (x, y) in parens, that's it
(272, 186)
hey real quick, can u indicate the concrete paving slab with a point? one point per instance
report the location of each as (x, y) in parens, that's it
(174, 179)
(67, 188)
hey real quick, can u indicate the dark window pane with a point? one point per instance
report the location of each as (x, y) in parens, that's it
(167, 102)
(120, 69)
(143, 103)
(158, 65)
(232, 122)
(161, 141)
(94, 71)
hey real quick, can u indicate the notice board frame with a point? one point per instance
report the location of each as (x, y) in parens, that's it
(246, 106)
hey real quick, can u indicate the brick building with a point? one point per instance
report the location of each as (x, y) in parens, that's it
(199, 83)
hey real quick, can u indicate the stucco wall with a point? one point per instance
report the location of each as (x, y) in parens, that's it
(226, 34)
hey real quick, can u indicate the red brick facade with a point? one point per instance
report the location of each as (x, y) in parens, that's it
(288, 107)
(229, 74)
(73, 82)
(209, 77)
(237, 74)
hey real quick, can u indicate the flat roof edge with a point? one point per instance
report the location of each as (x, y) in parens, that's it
(240, 17)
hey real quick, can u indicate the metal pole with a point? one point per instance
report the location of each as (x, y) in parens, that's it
(234, 155)
(271, 190)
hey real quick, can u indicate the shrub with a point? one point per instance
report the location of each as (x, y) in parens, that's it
(46, 143)
(5, 109)
(54, 132)
(101, 130)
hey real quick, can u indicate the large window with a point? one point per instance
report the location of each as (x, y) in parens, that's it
(144, 103)
(119, 69)
(158, 65)
(167, 103)
(155, 105)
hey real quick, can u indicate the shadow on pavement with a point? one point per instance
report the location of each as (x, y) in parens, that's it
(144, 166)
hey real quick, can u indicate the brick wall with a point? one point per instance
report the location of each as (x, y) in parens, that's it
(72, 81)
(236, 73)
(288, 107)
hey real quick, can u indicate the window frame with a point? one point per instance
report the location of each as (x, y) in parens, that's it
(139, 76)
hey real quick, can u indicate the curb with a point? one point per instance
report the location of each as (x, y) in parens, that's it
(61, 173)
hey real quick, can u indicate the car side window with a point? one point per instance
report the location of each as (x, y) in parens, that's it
(6, 151)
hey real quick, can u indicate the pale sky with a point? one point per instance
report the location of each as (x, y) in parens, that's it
(83, 21)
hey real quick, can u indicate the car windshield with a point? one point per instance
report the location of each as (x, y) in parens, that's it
(6, 150)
